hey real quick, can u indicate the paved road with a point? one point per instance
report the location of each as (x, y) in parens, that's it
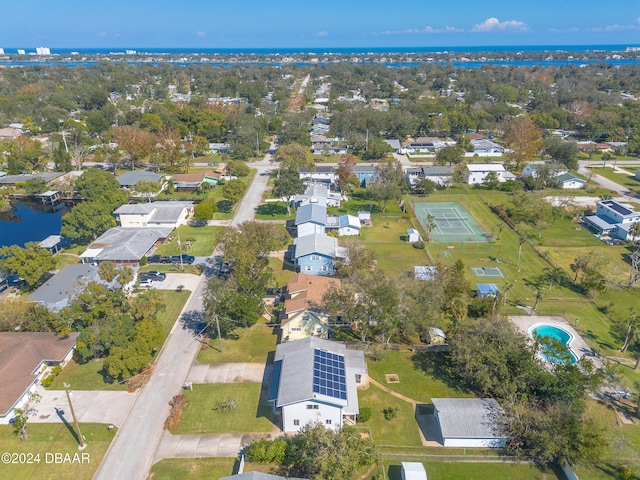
(133, 450)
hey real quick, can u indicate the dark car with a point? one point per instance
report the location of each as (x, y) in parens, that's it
(188, 259)
(153, 275)
(159, 259)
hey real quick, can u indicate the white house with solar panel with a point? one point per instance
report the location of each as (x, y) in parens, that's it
(316, 381)
(613, 218)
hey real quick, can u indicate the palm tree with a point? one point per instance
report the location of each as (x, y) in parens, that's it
(539, 296)
(521, 241)
(633, 329)
(505, 289)
(431, 224)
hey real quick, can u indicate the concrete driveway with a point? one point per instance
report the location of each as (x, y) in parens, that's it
(91, 406)
(173, 280)
(227, 373)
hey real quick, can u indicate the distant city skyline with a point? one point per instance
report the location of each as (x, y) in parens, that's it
(327, 24)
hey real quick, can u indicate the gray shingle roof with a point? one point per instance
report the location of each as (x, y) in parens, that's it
(64, 284)
(128, 179)
(316, 243)
(23, 177)
(468, 417)
(311, 212)
(128, 244)
(295, 382)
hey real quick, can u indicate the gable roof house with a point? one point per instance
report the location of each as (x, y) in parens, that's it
(195, 182)
(311, 218)
(24, 357)
(57, 292)
(469, 422)
(302, 315)
(155, 214)
(322, 174)
(534, 169)
(345, 225)
(485, 147)
(477, 172)
(316, 380)
(124, 245)
(314, 254)
(438, 174)
(570, 181)
(129, 179)
(320, 194)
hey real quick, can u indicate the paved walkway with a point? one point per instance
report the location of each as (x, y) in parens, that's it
(227, 373)
(90, 406)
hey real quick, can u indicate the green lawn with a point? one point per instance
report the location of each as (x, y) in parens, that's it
(251, 344)
(201, 416)
(193, 468)
(203, 241)
(628, 181)
(282, 274)
(400, 431)
(477, 471)
(420, 376)
(50, 439)
(63, 259)
(90, 376)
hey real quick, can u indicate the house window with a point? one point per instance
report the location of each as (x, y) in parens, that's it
(315, 257)
(358, 378)
(308, 268)
(319, 331)
(328, 422)
(324, 268)
(296, 423)
(313, 407)
(296, 329)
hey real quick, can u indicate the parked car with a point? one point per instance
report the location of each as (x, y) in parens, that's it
(188, 259)
(153, 275)
(159, 259)
(146, 283)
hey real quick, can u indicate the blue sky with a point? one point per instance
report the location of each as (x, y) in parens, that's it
(315, 24)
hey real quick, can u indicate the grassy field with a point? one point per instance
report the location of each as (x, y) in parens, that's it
(90, 375)
(193, 468)
(419, 376)
(63, 259)
(203, 241)
(247, 345)
(628, 181)
(282, 274)
(400, 431)
(47, 439)
(476, 471)
(202, 415)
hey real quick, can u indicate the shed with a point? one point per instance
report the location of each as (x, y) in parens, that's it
(487, 290)
(413, 235)
(437, 336)
(469, 422)
(413, 471)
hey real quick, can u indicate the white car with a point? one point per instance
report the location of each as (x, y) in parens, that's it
(146, 283)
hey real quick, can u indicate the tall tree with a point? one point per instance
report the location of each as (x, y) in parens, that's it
(389, 183)
(449, 155)
(524, 139)
(293, 156)
(233, 190)
(30, 262)
(346, 179)
(286, 186)
(135, 141)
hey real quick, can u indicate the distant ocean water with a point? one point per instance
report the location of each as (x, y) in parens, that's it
(335, 50)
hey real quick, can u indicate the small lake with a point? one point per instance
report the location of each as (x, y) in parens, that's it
(29, 222)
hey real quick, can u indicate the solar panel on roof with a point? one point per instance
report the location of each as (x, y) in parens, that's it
(329, 375)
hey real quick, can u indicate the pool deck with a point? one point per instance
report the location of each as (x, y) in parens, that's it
(578, 345)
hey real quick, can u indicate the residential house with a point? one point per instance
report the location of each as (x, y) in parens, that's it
(125, 245)
(25, 358)
(303, 315)
(25, 177)
(439, 175)
(324, 174)
(570, 181)
(195, 182)
(613, 218)
(154, 214)
(534, 169)
(395, 144)
(469, 422)
(428, 145)
(129, 179)
(311, 218)
(9, 133)
(219, 148)
(477, 172)
(314, 254)
(57, 292)
(485, 148)
(316, 381)
(365, 173)
(345, 225)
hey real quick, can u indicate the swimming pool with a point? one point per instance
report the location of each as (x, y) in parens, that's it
(564, 337)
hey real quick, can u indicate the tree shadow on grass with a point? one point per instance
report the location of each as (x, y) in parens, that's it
(272, 209)
(225, 206)
(437, 366)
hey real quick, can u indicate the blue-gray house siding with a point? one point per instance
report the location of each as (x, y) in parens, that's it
(315, 264)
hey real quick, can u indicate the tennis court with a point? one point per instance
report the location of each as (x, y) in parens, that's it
(493, 272)
(450, 222)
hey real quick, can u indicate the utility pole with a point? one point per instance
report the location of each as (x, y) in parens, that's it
(219, 336)
(75, 420)
(180, 252)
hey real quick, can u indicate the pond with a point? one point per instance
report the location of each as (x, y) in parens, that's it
(29, 222)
